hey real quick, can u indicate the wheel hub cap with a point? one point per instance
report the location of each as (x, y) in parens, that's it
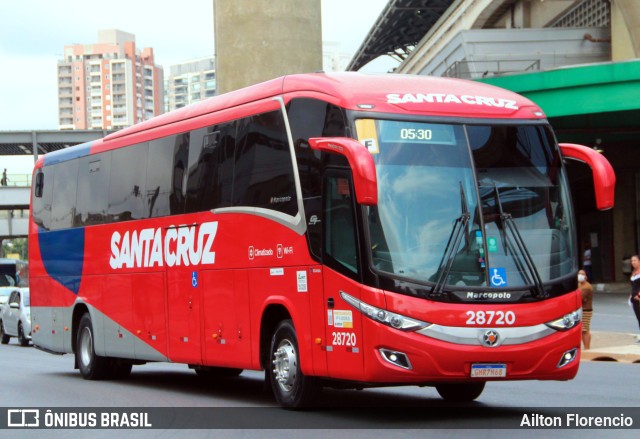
(86, 346)
(285, 365)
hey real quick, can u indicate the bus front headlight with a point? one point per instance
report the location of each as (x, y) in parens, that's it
(397, 321)
(567, 321)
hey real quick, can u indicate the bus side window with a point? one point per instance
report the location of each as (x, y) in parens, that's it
(93, 190)
(313, 118)
(42, 203)
(127, 184)
(159, 173)
(263, 174)
(339, 222)
(210, 181)
(63, 205)
(179, 174)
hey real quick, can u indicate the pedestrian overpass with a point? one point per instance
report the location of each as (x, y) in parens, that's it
(15, 195)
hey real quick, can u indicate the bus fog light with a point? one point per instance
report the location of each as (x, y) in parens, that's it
(568, 357)
(396, 358)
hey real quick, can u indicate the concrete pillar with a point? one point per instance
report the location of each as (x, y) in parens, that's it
(34, 145)
(625, 29)
(258, 40)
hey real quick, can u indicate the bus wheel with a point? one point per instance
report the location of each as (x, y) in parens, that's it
(291, 388)
(92, 366)
(460, 392)
(5, 337)
(24, 341)
(213, 373)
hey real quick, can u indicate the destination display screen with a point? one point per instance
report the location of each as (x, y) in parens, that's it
(391, 131)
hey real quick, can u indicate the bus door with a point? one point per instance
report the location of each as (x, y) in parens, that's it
(184, 294)
(340, 256)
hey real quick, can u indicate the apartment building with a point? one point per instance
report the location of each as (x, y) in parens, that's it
(189, 82)
(108, 85)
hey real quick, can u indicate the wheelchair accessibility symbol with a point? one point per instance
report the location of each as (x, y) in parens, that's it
(194, 279)
(498, 277)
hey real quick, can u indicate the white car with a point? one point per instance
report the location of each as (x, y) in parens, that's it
(15, 317)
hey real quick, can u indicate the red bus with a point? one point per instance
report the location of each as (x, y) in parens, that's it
(338, 230)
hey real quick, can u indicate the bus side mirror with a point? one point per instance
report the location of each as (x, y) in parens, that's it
(604, 179)
(361, 162)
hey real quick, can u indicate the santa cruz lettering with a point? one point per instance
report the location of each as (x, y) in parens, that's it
(443, 98)
(186, 245)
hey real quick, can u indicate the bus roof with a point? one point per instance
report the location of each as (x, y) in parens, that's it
(388, 93)
(381, 93)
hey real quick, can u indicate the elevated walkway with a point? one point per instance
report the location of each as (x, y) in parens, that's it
(14, 207)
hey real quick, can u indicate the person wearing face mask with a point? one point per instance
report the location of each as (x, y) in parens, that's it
(586, 291)
(634, 300)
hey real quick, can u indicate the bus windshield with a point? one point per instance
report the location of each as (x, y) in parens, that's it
(468, 205)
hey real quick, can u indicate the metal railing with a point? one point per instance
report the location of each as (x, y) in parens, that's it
(21, 180)
(484, 69)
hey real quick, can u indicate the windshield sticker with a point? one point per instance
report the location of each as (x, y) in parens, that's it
(492, 244)
(499, 277)
(368, 135)
(371, 145)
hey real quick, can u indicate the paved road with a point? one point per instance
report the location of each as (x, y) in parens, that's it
(612, 313)
(31, 378)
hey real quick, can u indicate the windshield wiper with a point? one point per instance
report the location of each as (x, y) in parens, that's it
(508, 224)
(459, 230)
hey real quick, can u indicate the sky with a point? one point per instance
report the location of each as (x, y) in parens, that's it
(33, 34)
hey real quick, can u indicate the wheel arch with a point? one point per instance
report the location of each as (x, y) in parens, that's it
(78, 311)
(272, 315)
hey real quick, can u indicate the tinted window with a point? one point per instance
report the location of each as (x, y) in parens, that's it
(179, 174)
(127, 186)
(211, 180)
(340, 229)
(196, 169)
(160, 170)
(63, 206)
(42, 204)
(263, 167)
(93, 189)
(312, 118)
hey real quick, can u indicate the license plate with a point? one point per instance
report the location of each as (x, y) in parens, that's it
(488, 370)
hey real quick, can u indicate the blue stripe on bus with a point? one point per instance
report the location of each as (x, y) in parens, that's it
(62, 253)
(62, 155)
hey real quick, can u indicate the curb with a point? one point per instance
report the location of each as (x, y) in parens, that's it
(619, 357)
(612, 346)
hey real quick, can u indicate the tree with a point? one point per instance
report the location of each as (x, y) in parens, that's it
(15, 246)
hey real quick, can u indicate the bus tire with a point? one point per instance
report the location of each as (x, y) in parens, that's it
(24, 341)
(4, 337)
(91, 366)
(291, 388)
(460, 392)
